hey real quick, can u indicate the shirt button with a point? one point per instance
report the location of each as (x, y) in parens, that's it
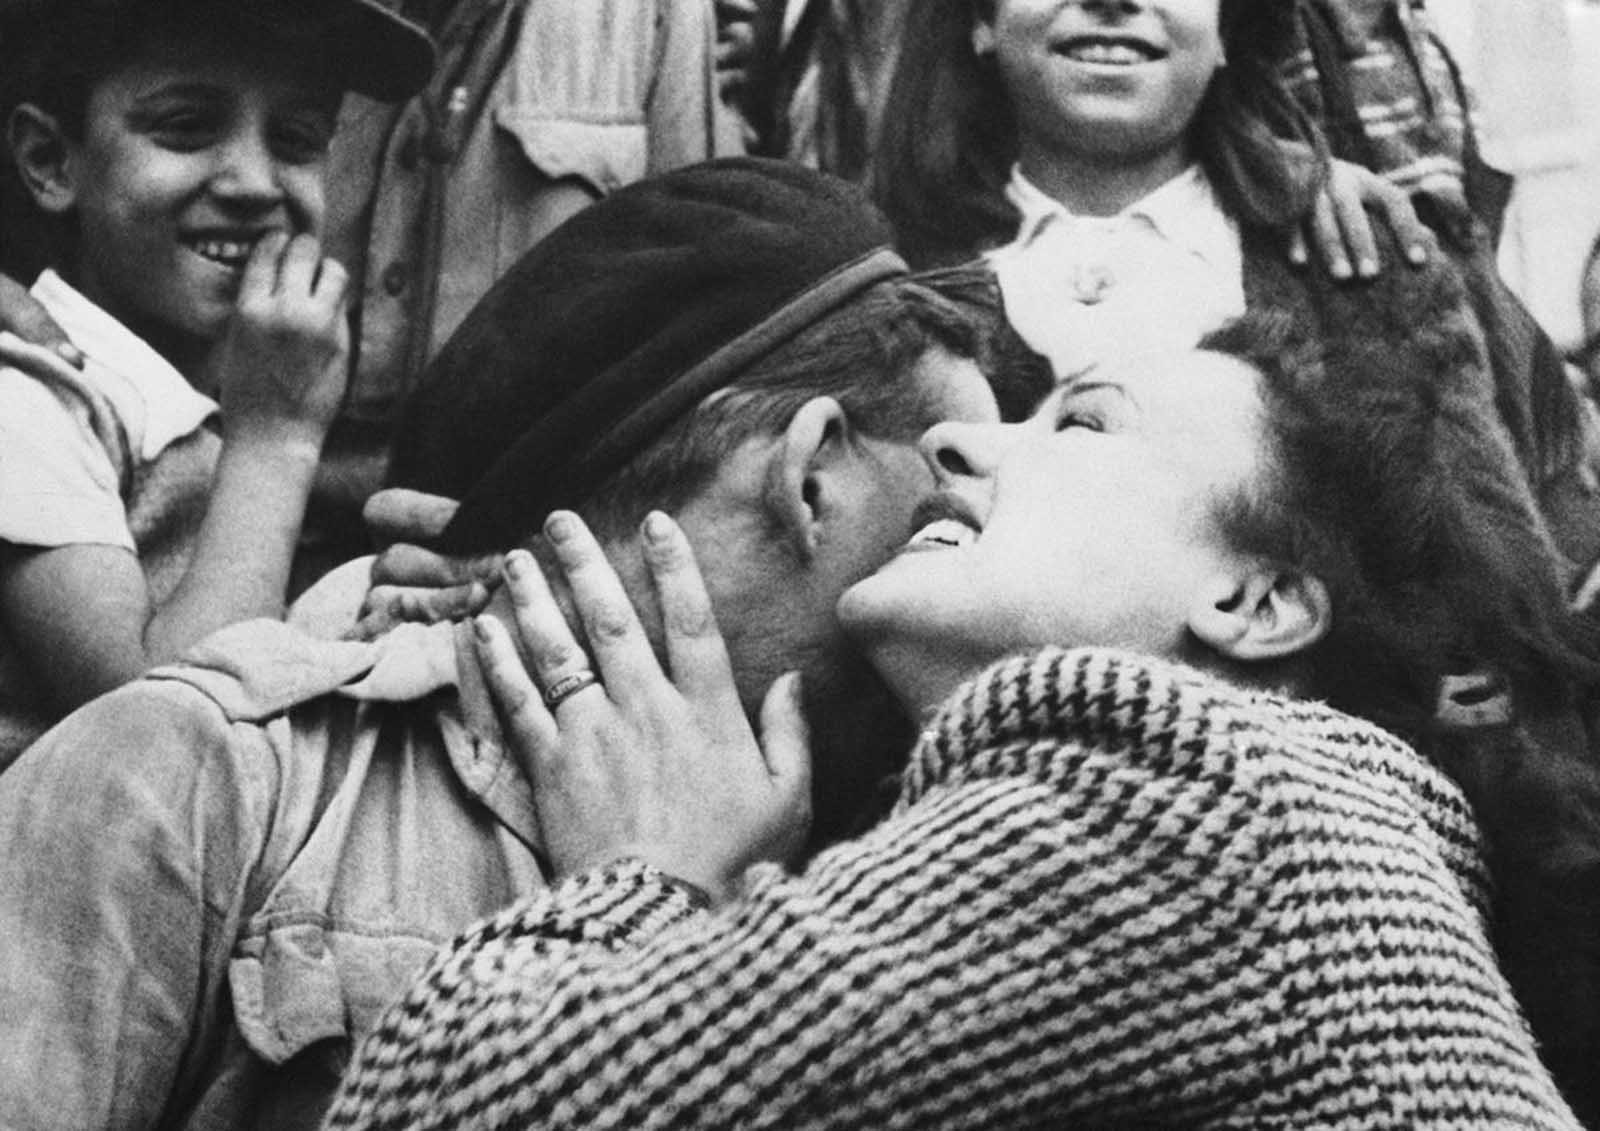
(395, 278)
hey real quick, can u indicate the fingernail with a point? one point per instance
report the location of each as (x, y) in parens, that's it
(1417, 254)
(657, 526)
(518, 563)
(1341, 270)
(480, 629)
(561, 526)
(1367, 268)
(71, 354)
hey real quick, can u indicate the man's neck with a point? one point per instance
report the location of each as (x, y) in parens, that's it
(1090, 187)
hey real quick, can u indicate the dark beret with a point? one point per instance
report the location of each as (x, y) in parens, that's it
(618, 323)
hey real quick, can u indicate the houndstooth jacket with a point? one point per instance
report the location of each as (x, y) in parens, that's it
(1114, 892)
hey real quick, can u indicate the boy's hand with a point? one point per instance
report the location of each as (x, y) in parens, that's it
(283, 361)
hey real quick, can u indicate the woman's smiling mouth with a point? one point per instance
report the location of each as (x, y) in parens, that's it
(1108, 51)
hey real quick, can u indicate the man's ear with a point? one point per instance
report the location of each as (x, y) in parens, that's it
(799, 477)
(1263, 613)
(42, 154)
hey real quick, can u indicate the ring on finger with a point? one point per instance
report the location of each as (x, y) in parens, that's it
(568, 686)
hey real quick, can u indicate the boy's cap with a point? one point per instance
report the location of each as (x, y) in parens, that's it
(375, 50)
(621, 321)
(371, 48)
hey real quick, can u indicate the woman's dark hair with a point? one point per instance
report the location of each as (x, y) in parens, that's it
(950, 135)
(1389, 477)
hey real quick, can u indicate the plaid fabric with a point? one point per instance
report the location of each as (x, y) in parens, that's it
(1378, 78)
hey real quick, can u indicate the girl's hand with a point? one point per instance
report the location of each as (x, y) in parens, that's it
(1341, 228)
(736, 43)
(283, 360)
(666, 770)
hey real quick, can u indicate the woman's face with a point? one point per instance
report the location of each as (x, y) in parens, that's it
(1089, 524)
(1108, 80)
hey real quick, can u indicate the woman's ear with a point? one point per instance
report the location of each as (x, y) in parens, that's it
(801, 469)
(42, 154)
(1264, 614)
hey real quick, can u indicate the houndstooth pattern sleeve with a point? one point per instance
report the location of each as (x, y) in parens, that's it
(1101, 901)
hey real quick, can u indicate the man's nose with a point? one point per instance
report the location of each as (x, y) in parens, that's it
(954, 450)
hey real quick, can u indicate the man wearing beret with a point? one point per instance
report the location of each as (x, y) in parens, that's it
(213, 880)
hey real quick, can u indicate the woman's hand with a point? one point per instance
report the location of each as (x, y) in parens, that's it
(409, 582)
(665, 770)
(1341, 229)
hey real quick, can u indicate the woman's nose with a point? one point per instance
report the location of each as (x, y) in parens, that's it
(955, 450)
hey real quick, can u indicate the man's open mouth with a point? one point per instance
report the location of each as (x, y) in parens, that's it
(941, 523)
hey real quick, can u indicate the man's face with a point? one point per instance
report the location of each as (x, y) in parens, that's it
(777, 609)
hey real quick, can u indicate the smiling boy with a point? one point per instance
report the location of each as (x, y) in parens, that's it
(174, 153)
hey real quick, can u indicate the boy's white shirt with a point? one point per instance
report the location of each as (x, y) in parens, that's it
(1157, 275)
(59, 426)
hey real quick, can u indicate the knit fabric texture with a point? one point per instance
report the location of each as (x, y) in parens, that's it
(1114, 892)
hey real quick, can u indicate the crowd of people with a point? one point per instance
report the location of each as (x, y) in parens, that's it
(987, 563)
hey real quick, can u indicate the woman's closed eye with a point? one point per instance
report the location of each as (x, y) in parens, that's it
(1077, 418)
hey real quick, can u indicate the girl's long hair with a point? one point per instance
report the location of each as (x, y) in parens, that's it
(950, 134)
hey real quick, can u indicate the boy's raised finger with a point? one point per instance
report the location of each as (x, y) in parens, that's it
(695, 648)
(301, 260)
(260, 277)
(616, 638)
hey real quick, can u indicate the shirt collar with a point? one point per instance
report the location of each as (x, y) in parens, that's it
(413, 661)
(157, 405)
(1185, 212)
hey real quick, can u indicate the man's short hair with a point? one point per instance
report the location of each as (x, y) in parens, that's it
(866, 355)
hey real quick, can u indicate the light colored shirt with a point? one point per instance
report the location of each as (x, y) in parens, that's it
(1157, 275)
(115, 454)
(69, 437)
(214, 878)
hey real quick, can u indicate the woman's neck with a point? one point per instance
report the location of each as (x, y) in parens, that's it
(1087, 186)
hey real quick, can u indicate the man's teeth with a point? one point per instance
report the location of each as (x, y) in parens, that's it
(945, 532)
(229, 252)
(1111, 54)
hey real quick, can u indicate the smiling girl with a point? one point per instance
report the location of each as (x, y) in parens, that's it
(1132, 168)
(174, 151)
